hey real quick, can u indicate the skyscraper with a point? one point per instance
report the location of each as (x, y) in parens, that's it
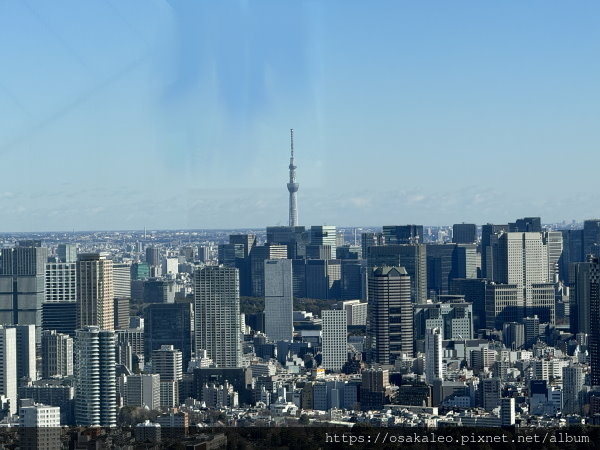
(95, 383)
(217, 314)
(335, 339)
(403, 234)
(167, 362)
(523, 260)
(324, 235)
(464, 233)
(8, 366)
(22, 284)
(67, 253)
(279, 301)
(169, 324)
(390, 315)
(61, 282)
(489, 239)
(293, 186)
(433, 354)
(95, 294)
(413, 257)
(122, 280)
(57, 354)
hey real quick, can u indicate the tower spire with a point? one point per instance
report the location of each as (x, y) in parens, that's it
(292, 186)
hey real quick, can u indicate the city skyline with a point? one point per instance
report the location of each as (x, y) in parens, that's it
(402, 114)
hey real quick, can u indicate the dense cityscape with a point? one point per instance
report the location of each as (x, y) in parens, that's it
(165, 332)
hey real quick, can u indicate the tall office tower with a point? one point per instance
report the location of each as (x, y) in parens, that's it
(573, 378)
(279, 300)
(257, 258)
(295, 238)
(39, 426)
(507, 412)
(95, 383)
(204, 253)
(553, 240)
(526, 225)
(121, 312)
(141, 390)
(61, 282)
(464, 261)
(153, 256)
(169, 324)
(594, 338)
(26, 351)
(170, 266)
(585, 308)
(523, 260)
(324, 235)
(323, 278)
(8, 366)
(489, 240)
(368, 240)
(403, 234)
(140, 271)
(95, 293)
(319, 251)
(57, 355)
(351, 282)
(292, 186)
(454, 319)
(413, 257)
(67, 253)
(228, 254)
(503, 303)
(22, 283)
(167, 362)
(60, 316)
(433, 354)
(513, 335)
(440, 258)
(390, 315)
(473, 291)
(122, 280)
(490, 393)
(248, 241)
(217, 314)
(464, 233)
(591, 237)
(532, 330)
(157, 290)
(335, 339)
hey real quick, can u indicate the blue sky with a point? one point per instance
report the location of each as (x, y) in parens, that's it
(176, 114)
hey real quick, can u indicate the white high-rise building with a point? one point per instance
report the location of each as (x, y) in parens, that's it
(57, 354)
(168, 363)
(61, 282)
(8, 366)
(217, 314)
(170, 266)
(95, 291)
(356, 310)
(39, 426)
(141, 390)
(433, 354)
(121, 280)
(523, 261)
(335, 339)
(554, 244)
(279, 301)
(95, 383)
(507, 412)
(324, 235)
(26, 351)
